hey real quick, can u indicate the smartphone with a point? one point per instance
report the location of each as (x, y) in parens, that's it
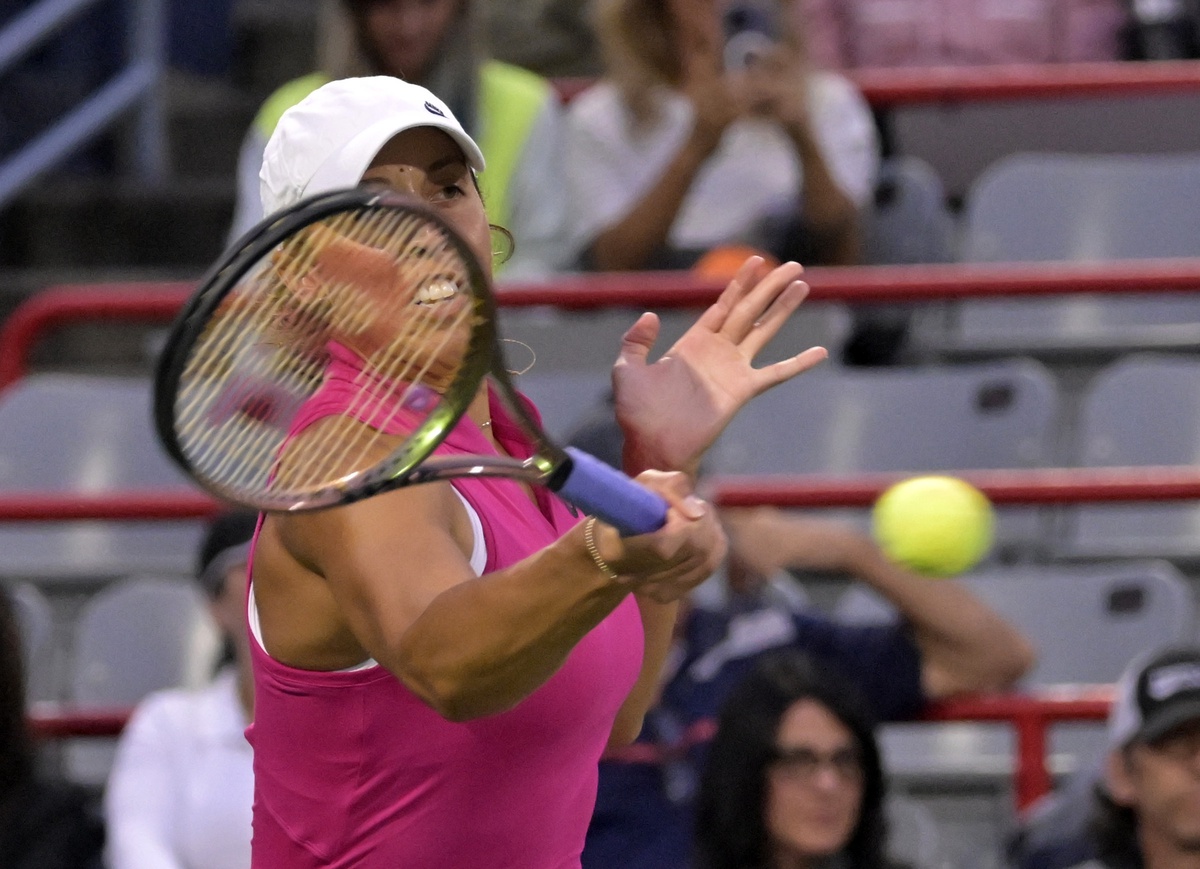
(751, 31)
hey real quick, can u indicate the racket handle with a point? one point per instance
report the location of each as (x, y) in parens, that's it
(608, 494)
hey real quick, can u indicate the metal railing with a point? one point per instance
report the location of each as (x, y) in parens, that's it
(137, 84)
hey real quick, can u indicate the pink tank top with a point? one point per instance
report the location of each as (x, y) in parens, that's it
(352, 769)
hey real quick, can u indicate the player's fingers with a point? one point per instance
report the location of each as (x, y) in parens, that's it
(676, 488)
(748, 275)
(767, 326)
(675, 582)
(786, 369)
(638, 340)
(757, 301)
(680, 545)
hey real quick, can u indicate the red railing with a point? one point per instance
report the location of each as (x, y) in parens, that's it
(157, 302)
(1023, 486)
(1030, 716)
(63, 724)
(885, 88)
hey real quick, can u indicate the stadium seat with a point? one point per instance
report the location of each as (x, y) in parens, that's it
(591, 339)
(1086, 622)
(563, 396)
(556, 339)
(1115, 610)
(1141, 410)
(1079, 208)
(137, 635)
(833, 420)
(914, 839)
(74, 433)
(35, 620)
(910, 221)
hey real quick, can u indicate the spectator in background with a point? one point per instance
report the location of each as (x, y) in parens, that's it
(554, 38)
(514, 114)
(1164, 29)
(180, 791)
(710, 128)
(44, 824)
(1145, 803)
(947, 642)
(793, 777)
(848, 34)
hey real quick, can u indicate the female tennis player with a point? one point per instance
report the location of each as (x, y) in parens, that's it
(438, 668)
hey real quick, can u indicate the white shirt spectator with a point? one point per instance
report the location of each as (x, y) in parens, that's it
(181, 788)
(754, 173)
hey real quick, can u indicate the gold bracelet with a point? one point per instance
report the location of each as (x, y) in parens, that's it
(589, 540)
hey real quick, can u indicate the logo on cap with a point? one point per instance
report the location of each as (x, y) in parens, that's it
(434, 110)
(1168, 681)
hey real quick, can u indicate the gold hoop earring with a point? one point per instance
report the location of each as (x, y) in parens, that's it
(532, 356)
(503, 244)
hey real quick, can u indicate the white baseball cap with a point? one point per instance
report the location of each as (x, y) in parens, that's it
(327, 140)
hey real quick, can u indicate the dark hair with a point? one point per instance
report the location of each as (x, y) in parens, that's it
(16, 742)
(730, 828)
(456, 63)
(226, 533)
(1113, 831)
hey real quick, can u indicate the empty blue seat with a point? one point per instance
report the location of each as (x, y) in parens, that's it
(1141, 410)
(1087, 621)
(832, 420)
(90, 435)
(136, 635)
(1079, 208)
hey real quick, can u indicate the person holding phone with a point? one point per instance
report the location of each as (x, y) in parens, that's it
(710, 128)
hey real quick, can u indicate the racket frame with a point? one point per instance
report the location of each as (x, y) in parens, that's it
(582, 479)
(403, 465)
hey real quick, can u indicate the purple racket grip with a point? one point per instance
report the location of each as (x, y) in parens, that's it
(608, 494)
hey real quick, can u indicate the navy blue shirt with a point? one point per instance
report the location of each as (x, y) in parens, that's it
(643, 810)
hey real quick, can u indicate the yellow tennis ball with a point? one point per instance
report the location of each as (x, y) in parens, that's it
(934, 525)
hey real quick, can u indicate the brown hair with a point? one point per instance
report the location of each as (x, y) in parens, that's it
(346, 50)
(638, 43)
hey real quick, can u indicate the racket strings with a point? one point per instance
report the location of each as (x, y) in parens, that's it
(372, 280)
(237, 385)
(320, 459)
(249, 311)
(315, 461)
(232, 363)
(242, 449)
(391, 377)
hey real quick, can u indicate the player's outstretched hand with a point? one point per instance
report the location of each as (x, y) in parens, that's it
(673, 409)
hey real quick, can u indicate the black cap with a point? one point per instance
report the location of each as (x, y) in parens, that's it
(226, 542)
(1157, 693)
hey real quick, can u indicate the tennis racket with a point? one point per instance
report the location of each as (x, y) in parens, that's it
(327, 355)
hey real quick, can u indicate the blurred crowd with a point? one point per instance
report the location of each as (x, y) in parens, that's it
(703, 124)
